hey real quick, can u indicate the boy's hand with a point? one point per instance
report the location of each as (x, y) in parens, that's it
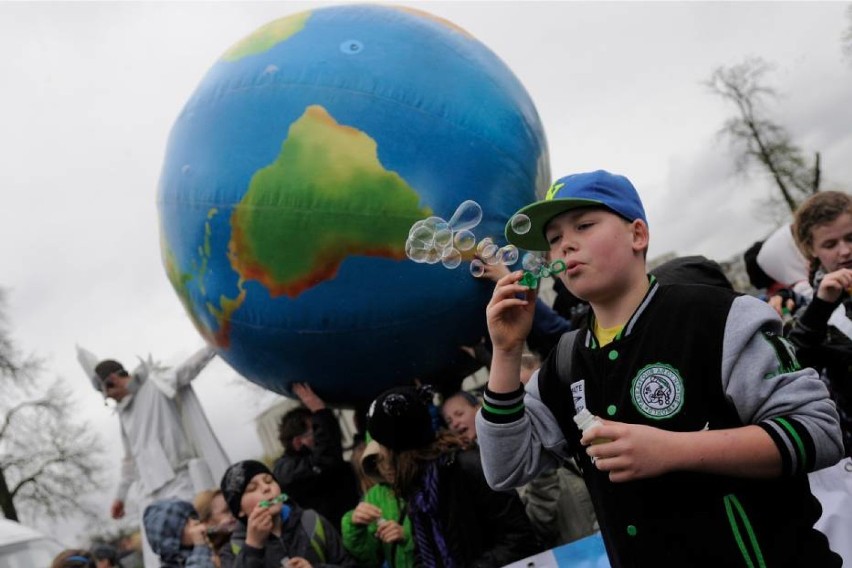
(311, 401)
(259, 526)
(390, 531)
(833, 285)
(635, 451)
(365, 513)
(510, 312)
(197, 532)
(298, 562)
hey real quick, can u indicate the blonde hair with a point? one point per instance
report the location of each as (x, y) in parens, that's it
(819, 209)
(365, 481)
(408, 466)
(203, 503)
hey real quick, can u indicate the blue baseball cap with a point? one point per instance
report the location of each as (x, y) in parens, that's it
(593, 189)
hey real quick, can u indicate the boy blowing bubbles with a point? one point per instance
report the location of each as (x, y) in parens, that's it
(709, 423)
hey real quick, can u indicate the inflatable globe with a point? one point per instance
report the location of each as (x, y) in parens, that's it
(295, 171)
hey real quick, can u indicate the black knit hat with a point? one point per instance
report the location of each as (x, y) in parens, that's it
(107, 367)
(399, 419)
(235, 481)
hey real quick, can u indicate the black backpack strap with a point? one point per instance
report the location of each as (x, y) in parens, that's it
(556, 394)
(564, 354)
(312, 525)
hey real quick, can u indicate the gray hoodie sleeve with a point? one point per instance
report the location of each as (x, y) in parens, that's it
(518, 437)
(764, 381)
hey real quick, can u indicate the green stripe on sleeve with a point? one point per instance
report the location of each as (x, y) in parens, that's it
(800, 446)
(511, 410)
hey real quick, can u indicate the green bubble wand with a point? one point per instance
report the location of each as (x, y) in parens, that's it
(274, 501)
(531, 279)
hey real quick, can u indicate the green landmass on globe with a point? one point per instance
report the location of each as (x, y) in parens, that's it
(324, 198)
(266, 37)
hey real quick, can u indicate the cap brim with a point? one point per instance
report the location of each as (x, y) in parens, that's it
(540, 213)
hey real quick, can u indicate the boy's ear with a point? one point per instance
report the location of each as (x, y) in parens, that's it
(641, 235)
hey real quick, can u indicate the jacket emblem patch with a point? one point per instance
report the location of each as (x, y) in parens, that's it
(657, 391)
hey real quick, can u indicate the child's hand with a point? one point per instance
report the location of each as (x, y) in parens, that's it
(365, 513)
(197, 532)
(306, 394)
(298, 562)
(259, 526)
(510, 312)
(634, 451)
(833, 285)
(390, 531)
(493, 272)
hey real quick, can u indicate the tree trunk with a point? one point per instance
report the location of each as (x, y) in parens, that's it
(6, 503)
(817, 174)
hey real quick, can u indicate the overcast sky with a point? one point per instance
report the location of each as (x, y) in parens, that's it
(90, 91)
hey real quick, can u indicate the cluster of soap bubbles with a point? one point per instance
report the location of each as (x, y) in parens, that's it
(434, 240)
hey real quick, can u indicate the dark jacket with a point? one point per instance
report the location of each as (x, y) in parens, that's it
(319, 478)
(690, 358)
(826, 349)
(484, 528)
(323, 547)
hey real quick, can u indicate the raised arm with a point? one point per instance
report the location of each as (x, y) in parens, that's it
(509, 315)
(192, 367)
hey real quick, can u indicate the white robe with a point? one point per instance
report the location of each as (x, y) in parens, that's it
(170, 449)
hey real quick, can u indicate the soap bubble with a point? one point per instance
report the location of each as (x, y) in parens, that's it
(443, 238)
(483, 244)
(467, 216)
(477, 268)
(532, 261)
(417, 255)
(508, 255)
(520, 224)
(432, 222)
(415, 226)
(423, 233)
(464, 240)
(451, 258)
(418, 244)
(433, 255)
(489, 254)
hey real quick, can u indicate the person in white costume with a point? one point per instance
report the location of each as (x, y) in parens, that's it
(170, 449)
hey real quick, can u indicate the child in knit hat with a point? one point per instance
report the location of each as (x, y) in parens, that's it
(273, 530)
(456, 519)
(176, 534)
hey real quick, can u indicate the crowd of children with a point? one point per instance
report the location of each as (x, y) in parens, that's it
(710, 419)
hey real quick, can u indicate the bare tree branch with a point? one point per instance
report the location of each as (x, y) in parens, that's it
(49, 462)
(759, 140)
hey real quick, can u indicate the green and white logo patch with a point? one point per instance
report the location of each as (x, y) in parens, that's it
(657, 391)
